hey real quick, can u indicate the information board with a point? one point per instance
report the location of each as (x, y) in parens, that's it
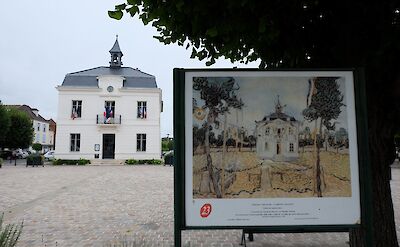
(266, 149)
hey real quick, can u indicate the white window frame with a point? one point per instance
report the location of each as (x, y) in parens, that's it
(142, 109)
(75, 142)
(76, 110)
(141, 142)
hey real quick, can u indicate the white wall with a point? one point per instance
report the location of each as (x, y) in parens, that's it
(125, 133)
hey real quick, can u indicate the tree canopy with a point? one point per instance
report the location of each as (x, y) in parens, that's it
(280, 33)
(20, 133)
(4, 123)
(302, 34)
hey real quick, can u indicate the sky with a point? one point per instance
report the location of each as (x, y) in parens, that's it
(260, 95)
(42, 41)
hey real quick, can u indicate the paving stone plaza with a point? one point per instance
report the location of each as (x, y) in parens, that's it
(117, 205)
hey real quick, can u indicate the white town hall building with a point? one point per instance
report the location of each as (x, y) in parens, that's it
(109, 112)
(277, 136)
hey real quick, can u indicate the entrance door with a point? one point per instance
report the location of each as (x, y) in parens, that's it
(278, 148)
(108, 146)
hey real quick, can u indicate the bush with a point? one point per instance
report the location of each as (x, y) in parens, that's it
(81, 162)
(148, 162)
(131, 162)
(35, 160)
(1, 162)
(37, 147)
(169, 158)
(9, 235)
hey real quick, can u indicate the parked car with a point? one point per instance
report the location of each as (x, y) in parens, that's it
(20, 154)
(49, 155)
(6, 154)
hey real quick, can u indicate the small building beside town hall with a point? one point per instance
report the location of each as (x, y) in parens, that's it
(44, 130)
(277, 136)
(109, 112)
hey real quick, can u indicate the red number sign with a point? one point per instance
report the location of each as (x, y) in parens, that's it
(205, 210)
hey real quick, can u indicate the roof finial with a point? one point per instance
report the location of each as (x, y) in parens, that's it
(116, 36)
(278, 106)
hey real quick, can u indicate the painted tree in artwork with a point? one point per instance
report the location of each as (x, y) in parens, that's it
(325, 106)
(219, 96)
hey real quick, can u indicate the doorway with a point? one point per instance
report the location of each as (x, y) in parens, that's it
(108, 146)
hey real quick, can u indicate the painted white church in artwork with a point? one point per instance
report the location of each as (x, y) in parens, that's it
(277, 136)
(109, 112)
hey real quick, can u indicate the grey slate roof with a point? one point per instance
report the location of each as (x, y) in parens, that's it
(115, 48)
(28, 110)
(279, 115)
(134, 78)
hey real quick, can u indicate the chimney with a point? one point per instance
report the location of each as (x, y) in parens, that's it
(35, 111)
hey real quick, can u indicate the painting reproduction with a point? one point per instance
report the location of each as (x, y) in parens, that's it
(271, 137)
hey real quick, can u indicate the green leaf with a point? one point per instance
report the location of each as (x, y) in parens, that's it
(115, 14)
(120, 7)
(194, 53)
(212, 32)
(262, 26)
(133, 10)
(211, 62)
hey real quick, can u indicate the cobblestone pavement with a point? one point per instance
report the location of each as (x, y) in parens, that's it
(112, 205)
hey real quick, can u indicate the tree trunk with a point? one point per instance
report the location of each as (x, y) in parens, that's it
(209, 159)
(224, 154)
(318, 164)
(383, 92)
(381, 156)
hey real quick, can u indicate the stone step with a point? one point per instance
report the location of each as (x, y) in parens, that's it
(107, 162)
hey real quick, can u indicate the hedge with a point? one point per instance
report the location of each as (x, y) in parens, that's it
(81, 162)
(148, 162)
(35, 160)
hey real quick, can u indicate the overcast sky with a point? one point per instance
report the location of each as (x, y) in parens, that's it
(260, 95)
(42, 41)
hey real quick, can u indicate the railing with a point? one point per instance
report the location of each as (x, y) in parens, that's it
(101, 119)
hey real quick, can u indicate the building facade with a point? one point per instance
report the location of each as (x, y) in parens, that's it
(109, 112)
(277, 136)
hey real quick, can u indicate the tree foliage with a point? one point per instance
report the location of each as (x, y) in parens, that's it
(280, 33)
(37, 147)
(302, 34)
(325, 105)
(20, 133)
(4, 123)
(326, 102)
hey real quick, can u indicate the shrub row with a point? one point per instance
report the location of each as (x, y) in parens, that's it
(81, 162)
(148, 162)
(34, 160)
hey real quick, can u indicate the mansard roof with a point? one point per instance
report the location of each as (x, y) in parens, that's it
(134, 78)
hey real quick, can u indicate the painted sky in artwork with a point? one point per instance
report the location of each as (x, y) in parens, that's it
(260, 95)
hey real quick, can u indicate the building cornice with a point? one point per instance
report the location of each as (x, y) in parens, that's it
(86, 89)
(140, 90)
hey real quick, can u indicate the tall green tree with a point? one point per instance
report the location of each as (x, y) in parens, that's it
(20, 134)
(325, 106)
(4, 123)
(302, 34)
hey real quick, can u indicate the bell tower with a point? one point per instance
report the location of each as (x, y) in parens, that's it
(116, 55)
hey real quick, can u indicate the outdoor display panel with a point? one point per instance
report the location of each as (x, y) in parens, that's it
(266, 149)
